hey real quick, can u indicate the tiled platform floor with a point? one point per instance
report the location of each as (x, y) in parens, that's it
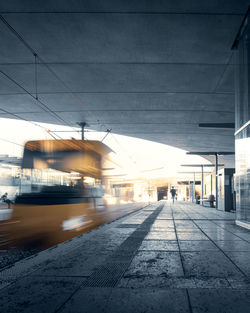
(164, 258)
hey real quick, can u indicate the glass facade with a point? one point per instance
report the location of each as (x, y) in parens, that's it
(242, 134)
(242, 177)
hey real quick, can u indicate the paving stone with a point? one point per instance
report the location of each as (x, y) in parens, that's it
(37, 295)
(209, 264)
(195, 235)
(155, 263)
(160, 245)
(244, 236)
(130, 227)
(219, 301)
(134, 220)
(243, 283)
(164, 229)
(233, 245)
(77, 264)
(241, 259)
(121, 231)
(225, 223)
(182, 228)
(223, 236)
(173, 282)
(145, 301)
(161, 235)
(164, 217)
(205, 224)
(182, 223)
(4, 283)
(197, 245)
(127, 300)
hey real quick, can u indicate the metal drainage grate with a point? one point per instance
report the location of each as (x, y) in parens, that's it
(107, 275)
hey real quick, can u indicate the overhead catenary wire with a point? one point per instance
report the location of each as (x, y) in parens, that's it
(12, 142)
(62, 83)
(36, 83)
(38, 57)
(23, 119)
(33, 123)
(108, 132)
(83, 104)
(41, 104)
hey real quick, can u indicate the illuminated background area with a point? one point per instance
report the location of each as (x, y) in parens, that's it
(141, 165)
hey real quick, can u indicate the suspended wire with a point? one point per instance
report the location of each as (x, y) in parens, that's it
(224, 71)
(41, 104)
(35, 54)
(14, 143)
(108, 132)
(65, 86)
(121, 146)
(33, 123)
(23, 119)
(36, 77)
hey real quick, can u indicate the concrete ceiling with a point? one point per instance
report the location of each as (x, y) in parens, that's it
(148, 69)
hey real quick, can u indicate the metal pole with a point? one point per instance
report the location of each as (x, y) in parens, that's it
(194, 186)
(192, 191)
(189, 191)
(211, 183)
(216, 179)
(82, 129)
(202, 177)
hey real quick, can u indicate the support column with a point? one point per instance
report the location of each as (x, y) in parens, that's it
(194, 187)
(211, 183)
(202, 178)
(216, 179)
(189, 191)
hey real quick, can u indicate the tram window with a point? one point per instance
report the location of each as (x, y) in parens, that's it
(89, 181)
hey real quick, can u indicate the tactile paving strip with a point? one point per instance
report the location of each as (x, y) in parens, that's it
(109, 274)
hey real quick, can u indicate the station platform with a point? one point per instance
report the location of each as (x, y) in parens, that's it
(166, 257)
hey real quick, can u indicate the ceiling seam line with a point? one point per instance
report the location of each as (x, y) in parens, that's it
(126, 13)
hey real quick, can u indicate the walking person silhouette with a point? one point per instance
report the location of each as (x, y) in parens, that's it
(173, 193)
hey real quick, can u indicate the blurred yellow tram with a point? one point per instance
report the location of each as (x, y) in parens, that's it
(61, 191)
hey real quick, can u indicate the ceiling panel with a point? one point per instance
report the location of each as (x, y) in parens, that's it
(151, 69)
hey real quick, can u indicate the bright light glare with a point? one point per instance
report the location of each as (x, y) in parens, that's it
(140, 158)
